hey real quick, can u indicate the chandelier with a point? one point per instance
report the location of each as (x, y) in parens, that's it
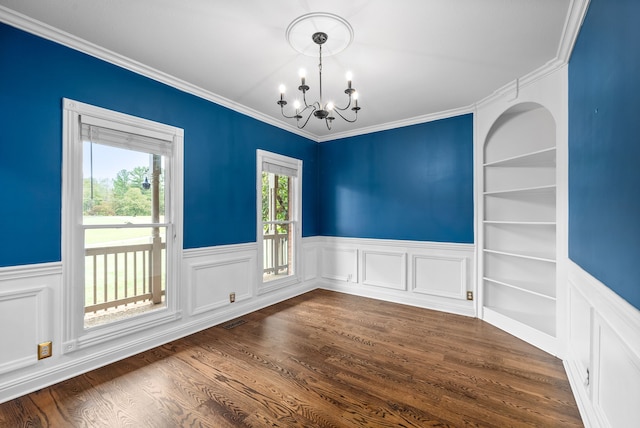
(320, 109)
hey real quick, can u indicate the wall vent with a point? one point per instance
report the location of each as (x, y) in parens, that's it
(232, 324)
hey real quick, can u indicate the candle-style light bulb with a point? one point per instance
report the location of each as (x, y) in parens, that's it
(349, 79)
(303, 74)
(330, 106)
(296, 105)
(355, 96)
(281, 88)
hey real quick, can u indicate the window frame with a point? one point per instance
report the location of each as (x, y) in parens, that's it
(74, 335)
(295, 217)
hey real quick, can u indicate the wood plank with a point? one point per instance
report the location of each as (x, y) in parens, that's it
(323, 359)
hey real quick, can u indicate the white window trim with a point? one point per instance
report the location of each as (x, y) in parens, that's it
(287, 163)
(75, 336)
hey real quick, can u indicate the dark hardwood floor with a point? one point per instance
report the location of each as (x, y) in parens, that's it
(323, 359)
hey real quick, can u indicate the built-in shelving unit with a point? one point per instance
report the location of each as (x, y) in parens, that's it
(519, 220)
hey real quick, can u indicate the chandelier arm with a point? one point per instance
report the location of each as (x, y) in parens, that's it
(307, 120)
(288, 117)
(304, 99)
(344, 108)
(348, 104)
(307, 108)
(344, 118)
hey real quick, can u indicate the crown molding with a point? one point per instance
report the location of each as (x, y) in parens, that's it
(575, 18)
(515, 85)
(399, 123)
(53, 34)
(573, 22)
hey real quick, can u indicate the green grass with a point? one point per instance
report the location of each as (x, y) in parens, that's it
(109, 237)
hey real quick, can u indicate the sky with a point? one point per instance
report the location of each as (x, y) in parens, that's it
(108, 161)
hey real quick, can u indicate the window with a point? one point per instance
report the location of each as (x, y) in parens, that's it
(122, 222)
(279, 193)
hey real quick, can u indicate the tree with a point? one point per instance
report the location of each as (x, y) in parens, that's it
(121, 183)
(103, 209)
(134, 203)
(124, 195)
(137, 176)
(96, 193)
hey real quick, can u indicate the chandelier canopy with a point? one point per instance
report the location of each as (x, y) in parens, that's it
(320, 109)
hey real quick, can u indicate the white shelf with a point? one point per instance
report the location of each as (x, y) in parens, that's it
(519, 243)
(544, 157)
(536, 204)
(524, 286)
(536, 189)
(541, 257)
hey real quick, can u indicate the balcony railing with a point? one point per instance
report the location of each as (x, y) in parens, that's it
(119, 275)
(275, 254)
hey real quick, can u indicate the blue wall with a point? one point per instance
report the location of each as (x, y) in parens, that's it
(220, 145)
(413, 183)
(604, 147)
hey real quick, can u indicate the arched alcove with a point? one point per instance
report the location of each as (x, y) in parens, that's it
(519, 223)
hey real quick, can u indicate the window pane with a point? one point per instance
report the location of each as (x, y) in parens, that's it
(275, 197)
(276, 240)
(125, 271)
(282, 198)
(121, 185)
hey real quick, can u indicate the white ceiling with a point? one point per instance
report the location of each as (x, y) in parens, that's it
(410, 58)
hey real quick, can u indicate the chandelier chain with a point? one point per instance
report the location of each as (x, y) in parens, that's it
(320, 73)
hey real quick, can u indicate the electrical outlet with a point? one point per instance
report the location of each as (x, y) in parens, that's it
(44, 350)
(469, 295)
(232, 297)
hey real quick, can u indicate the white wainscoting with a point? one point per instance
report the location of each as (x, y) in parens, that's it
(31, 302)
(603, 357)
(310, 257)
(213, 274)
(26, 318)
(440, 276)
(340, 263)
(384, 269)
(432, 275)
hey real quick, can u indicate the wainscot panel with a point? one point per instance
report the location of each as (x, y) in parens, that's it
(340, 263)
(603, 360)
(384, 269)
(439, 275)
(212, 282)
(25, 299)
